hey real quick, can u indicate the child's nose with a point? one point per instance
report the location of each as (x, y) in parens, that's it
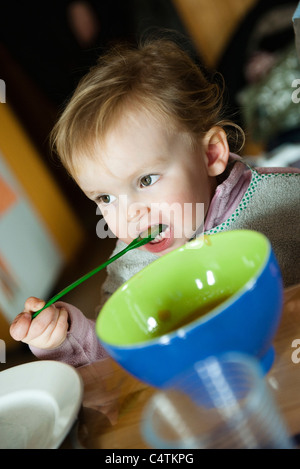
(136, 211)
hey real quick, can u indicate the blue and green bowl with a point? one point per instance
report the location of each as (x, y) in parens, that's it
(217, 294)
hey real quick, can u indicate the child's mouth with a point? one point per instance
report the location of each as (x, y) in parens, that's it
(161, 242)
(162, 235)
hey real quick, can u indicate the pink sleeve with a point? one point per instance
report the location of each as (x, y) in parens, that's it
(81, 345)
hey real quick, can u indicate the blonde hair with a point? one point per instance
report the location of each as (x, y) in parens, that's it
(158, 77)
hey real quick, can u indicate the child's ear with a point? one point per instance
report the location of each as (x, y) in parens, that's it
(216, 151)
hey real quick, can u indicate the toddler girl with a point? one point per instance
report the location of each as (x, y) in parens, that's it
(145, 138)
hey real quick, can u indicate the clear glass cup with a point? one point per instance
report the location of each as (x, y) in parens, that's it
(220, 403)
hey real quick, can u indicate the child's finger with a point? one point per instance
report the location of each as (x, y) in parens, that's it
(20, 326)
(33, 304)
(49, 329)
(56, 333)
(44, 322)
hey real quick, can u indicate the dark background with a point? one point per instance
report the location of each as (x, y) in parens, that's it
(42, 60)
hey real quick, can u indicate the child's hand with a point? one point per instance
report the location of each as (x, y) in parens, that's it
(47, 331)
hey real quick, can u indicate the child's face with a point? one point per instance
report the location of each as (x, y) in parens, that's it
(146, 174)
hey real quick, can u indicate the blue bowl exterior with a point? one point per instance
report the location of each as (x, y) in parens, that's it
(222, 332)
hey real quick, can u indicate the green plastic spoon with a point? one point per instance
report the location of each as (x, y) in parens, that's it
(149, 235)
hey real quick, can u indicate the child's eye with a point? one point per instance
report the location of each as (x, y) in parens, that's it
(149, 180)
(105, 199)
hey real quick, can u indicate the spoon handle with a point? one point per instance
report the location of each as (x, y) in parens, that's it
(137, 242)
(81, 280)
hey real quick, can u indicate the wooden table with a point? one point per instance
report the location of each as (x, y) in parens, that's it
(113, 400)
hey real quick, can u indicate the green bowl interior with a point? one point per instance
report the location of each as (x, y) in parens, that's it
(186, 285)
